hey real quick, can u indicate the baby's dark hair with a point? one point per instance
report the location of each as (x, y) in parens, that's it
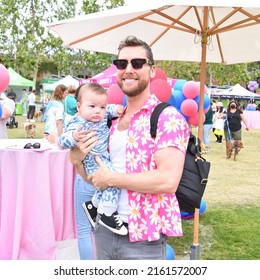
(93, 87)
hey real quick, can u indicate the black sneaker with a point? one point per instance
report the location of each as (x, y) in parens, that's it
(91, 212)
(113, 223)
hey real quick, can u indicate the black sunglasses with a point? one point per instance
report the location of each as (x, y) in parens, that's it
(137, 63)
(32, 146)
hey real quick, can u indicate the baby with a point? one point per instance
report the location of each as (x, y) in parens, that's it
(94, 113)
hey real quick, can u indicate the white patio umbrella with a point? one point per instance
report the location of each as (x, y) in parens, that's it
(223, 31)
(192, 30)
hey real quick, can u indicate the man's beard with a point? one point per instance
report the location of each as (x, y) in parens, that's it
(142, 85)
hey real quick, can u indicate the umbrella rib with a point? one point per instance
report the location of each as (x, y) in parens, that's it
(176, 20)
(169, 26)
(217, 37)
(140, 17)
(211, 30)
(240, 24)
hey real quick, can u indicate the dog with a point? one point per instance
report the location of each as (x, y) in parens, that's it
(233, 146)
(37, 114)
(30, 130)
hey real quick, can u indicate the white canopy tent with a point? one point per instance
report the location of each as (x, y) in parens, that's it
(67, 81)
(235, 92)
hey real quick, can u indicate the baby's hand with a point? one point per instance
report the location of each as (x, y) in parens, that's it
(120, 110)
(77, 134)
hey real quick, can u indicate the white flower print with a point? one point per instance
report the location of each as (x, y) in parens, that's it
(133, 140)
(162, 200)
(140, 123)
(156, 236)
(141, 156)
(176, 222)
(143, 226)
(146, 206)
(180, 142)
(154, 216)
(137, 195)
(174, 206)
(131, 161)
(172, 125)
(134, 231)
(165, 225)
(134, 212)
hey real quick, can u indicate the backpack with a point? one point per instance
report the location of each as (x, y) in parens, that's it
(195, 172)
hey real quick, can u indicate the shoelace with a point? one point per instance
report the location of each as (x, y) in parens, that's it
(118, 220)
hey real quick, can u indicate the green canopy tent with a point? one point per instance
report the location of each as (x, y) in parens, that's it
(18, 83)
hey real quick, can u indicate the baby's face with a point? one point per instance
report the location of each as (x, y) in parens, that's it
(93, 106)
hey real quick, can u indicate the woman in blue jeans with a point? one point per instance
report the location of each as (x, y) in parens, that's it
(83, 192)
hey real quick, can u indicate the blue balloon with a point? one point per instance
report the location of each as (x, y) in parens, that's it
(177, 98)
(203, 206)
(124, 101)
(179, 85)
(189, 215)
(206, 101)
(170, 255)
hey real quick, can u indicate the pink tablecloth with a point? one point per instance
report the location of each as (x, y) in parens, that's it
(253, 119)
(36, 203)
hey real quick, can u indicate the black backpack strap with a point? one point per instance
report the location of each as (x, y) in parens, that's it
(155, 116)
(109, 121)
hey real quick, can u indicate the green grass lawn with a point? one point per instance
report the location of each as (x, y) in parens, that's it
(229, 228)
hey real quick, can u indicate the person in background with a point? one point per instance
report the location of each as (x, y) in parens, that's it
(7, 107)
(233, 126)
(83, 192)
(147, 205)
(24, 101)
(218, 122)
(214, 106)
(44, 101)
(207, 126)
(32, 105)
(70, 102)
(55, 114)
(11, 94)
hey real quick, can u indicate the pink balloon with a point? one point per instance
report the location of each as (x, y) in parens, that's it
(115, 95)
(161, 89)
(159, 74)
(191, 89)
(4, 78)
(194, 120)
(205, 88)
(189, 107)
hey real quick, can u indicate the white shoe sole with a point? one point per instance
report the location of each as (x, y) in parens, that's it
(123, 230)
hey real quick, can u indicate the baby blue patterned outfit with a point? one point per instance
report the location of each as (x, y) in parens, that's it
(109, 196)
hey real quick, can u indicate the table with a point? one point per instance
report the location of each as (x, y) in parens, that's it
(253, 119)
(36, 200)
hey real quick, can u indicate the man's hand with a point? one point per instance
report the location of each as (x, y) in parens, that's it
(87, 142)
(99, 178)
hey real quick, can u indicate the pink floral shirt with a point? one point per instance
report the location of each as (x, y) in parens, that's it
(153, 214)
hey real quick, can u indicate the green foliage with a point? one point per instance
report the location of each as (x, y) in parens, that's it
(222, 74)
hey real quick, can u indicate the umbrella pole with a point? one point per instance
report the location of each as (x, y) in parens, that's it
(195, 247)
